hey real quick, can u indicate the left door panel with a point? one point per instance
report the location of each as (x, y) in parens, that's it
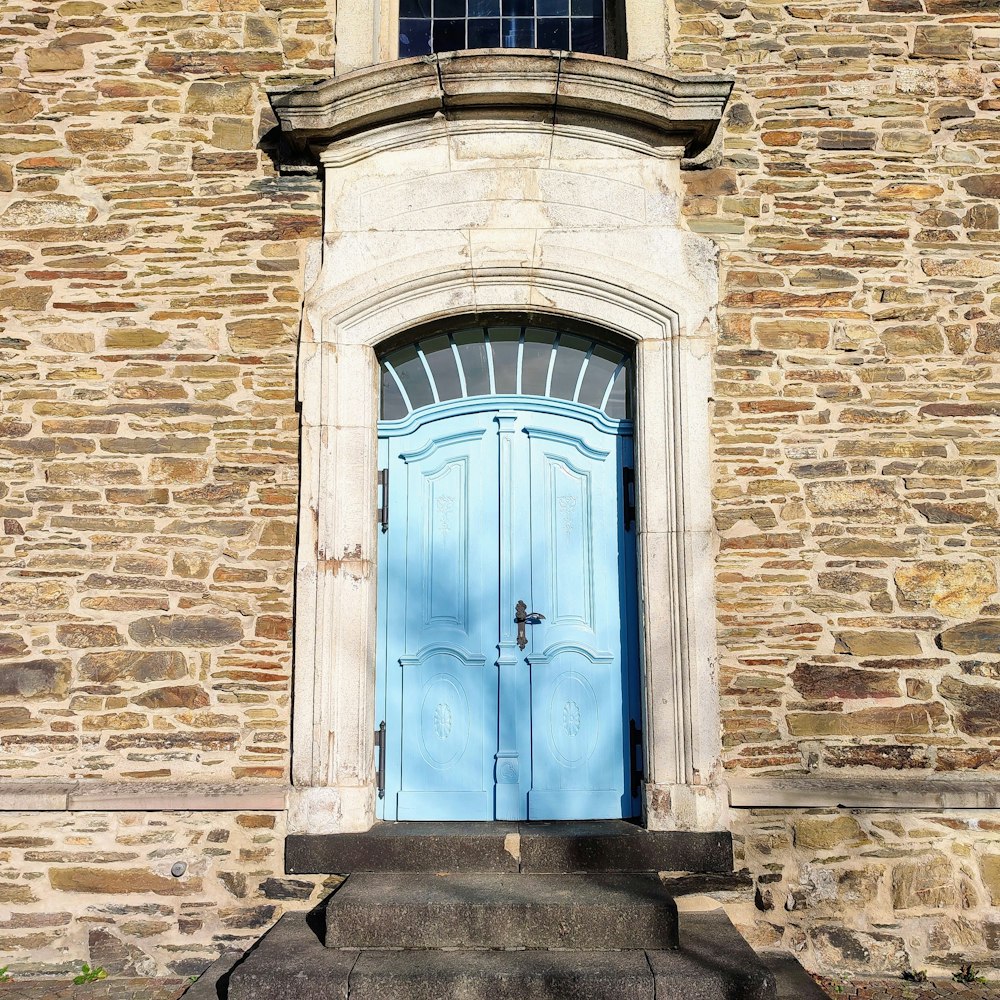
(439, 620)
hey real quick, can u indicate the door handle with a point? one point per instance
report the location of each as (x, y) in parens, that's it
(525, 617)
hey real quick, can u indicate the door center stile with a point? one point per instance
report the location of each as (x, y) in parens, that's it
(509, 659)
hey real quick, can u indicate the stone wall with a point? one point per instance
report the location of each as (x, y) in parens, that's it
(873, 892)
(151, 276)
(150, 286)
(856, 382)
(856, 462)
(151, 272)
(98, 887)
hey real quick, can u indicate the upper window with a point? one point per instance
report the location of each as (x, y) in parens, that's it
(427, 26)
(502, 360)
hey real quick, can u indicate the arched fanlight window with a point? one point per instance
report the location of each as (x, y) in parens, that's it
(506, 360)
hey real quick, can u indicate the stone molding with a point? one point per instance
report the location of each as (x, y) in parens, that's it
(597, 91)
(942, 793)
(876, 792)
(431, 218)
(102, 796)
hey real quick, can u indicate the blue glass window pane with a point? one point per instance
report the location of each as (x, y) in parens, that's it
(411, 373)
(604, 362)
(587, 8)
(518, 33)
(440, 360)
(504, 341)
(414, 37)
(535, 358)
(414, 8)
(569, 360)
(448, 9)
(449, 35)
(472, 350)
(484, 8)
(518, 8)
(552, 8)
(553, 33)
(618, 407)
(484, 33)
(393, 406)
(587, 35)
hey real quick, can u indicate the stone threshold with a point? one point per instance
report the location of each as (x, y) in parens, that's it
(805, 792)
(594, 846)
(102, 796)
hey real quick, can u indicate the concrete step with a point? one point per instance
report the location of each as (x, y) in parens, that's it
(290, 963)
(794, 983)
(502, 975)
(713, 962)
(538, 848)
(584, 912)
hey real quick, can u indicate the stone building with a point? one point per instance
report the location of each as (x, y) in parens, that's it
(769, 233)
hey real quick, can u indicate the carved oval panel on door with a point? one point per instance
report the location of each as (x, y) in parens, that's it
(444, 721)
(573, 719)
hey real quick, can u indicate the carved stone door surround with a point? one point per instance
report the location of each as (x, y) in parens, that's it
(480, 183)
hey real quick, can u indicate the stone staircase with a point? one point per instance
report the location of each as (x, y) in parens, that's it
(560, 912)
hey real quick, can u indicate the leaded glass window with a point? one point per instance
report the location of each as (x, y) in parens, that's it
(506, 359)
(427, 26)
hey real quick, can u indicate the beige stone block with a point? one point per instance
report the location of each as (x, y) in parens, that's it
(868, 500)
(121, 881)
(989, 869)
(233, 133)
(18, 106)
(904, 720)
(86, 140)
(27, 298)
(928, 883)
(83, 635)
(48, 210)
(787, 334)
(977, 706)
(877, 642)
(823, 833)
(55, 59)
(958, 590)
(941, 42)
(235, 96)
(908, 141)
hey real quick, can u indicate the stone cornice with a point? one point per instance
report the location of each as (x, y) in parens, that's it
(597, 91)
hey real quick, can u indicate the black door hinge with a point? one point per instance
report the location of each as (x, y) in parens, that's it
(635, 755)
(383, 499)
(628, 497)
(380, 766)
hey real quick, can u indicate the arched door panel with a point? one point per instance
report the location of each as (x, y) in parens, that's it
(494, 499)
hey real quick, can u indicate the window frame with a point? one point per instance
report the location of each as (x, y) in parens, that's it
(615, 31)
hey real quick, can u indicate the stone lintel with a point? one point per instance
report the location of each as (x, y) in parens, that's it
(944, 792)
(36, 796)
(595, 91)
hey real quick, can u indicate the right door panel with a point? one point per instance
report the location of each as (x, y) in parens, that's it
(582, 657)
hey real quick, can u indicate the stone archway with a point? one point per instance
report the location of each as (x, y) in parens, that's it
(491, 202)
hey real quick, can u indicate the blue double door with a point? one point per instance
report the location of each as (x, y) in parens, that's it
(508, 673)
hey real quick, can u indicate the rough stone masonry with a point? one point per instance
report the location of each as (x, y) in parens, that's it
(151, 278)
